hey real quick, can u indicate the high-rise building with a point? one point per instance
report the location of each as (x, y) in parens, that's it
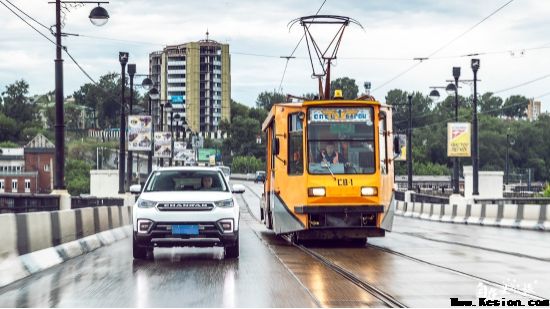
(533, 110)
(195, 78)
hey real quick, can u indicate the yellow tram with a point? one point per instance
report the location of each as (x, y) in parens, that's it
(330, 169)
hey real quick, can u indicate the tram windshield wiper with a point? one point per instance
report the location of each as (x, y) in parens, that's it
(326, 164)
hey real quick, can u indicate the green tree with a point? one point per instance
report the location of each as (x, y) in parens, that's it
(16, 105)
(8, 129)
(347, 85)
(246, 164)
(490, 104)
(515, 106)
(266, 99)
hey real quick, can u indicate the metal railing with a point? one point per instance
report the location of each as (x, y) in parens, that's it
(515, 200)
(20, 203)
(81, 202)
(422, 198)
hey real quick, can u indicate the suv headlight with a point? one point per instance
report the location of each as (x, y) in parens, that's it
(145, 203)
(225, 203)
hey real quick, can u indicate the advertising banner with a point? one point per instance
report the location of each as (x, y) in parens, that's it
(163, 145)
(205, 153)
(402, 151)
(180, 153)
(458, 139)
(139, 133)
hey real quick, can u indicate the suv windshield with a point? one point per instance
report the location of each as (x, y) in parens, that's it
(186, 181)
(341, 140)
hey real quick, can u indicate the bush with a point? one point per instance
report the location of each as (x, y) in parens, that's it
(246, 164)
(546, 192)
(77, 177)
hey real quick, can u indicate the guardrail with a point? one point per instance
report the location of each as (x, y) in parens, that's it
(21, 203)
(92, 201)
(516, 213)
(422, 198)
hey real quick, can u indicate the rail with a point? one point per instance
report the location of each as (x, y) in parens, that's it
(21, 203)
(82, 202)
(515, 200)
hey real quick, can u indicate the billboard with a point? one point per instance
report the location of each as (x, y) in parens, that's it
(402, 151)
(205, 153)
(458, 139)
(181, 153)
(163, 144)
(139, 133)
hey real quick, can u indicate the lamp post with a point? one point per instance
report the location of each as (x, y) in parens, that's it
(475, 150)
(168, 108)
(98, 16)
(456, 163)
(509, 142)
(131, 73)
(123, 59)
(409, 147)
(153, 94)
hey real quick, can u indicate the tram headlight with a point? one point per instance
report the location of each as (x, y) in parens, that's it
(319, 191)
(369, 191)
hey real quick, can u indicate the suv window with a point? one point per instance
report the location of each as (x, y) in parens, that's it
(186, 181)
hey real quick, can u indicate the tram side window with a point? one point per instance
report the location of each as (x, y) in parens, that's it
(382, 142)
(295, 145)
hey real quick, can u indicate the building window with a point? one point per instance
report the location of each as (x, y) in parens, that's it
(2, 184)
(27, 185)
(46, 167)
(14, 184)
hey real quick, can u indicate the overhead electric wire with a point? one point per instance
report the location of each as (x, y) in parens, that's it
(36, 21)
(46, 37)
(523, 84)
(26, 22)
(444, 46)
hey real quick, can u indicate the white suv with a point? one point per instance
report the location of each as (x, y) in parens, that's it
(186, 206)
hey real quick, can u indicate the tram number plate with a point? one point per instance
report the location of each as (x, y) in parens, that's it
(345, 182)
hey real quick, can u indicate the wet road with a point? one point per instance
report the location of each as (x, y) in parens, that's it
(422, 263)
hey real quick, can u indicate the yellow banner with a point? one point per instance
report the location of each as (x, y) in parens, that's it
(458, 139)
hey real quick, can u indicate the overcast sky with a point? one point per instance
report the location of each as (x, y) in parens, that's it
(515, 40)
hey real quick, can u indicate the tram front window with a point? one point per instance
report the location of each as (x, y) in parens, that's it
(341, 141)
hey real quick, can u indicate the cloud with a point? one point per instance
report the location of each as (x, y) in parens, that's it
(394, 32)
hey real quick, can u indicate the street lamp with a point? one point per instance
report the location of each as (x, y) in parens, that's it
(123, 59)
(131, 73)
(168, 108)
(97, 17)
(509, 142)
(434, 94)
(409, 147)
(450, 89)
(475, 150)
(153, 95)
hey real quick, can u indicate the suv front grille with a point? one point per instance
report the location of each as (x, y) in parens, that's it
(183, 206)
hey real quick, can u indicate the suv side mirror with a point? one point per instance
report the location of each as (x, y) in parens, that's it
(135, 189)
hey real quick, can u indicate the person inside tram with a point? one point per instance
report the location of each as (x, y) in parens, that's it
(296, 166)
(330, 155)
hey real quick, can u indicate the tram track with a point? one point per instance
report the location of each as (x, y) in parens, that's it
(377, 293)
(388, 299)
(458, 272)
(384, 297)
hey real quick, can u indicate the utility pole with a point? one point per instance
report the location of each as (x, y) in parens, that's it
(123, 59)
(409, 147)
(456, 164)
(131, 73)
(475, 152)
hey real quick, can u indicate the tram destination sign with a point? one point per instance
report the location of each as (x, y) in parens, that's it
(340, 114)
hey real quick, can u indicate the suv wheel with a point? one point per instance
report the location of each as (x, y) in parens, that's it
(140, 252)
(232, 251)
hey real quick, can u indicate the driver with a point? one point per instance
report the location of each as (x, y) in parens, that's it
(329, 154)
(206, 182)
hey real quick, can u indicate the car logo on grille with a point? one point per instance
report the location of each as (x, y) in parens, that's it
(191, 205)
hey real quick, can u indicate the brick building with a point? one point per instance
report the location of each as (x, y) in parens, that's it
(28, 169)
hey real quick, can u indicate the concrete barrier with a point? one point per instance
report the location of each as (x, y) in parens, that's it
(32, 242)
(524, 216)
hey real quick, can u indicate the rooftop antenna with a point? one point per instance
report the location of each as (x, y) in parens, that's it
(324, 58)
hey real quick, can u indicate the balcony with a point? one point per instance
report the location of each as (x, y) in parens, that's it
(176, 80)
(176, 71)
(176, 62)
(173, 89)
